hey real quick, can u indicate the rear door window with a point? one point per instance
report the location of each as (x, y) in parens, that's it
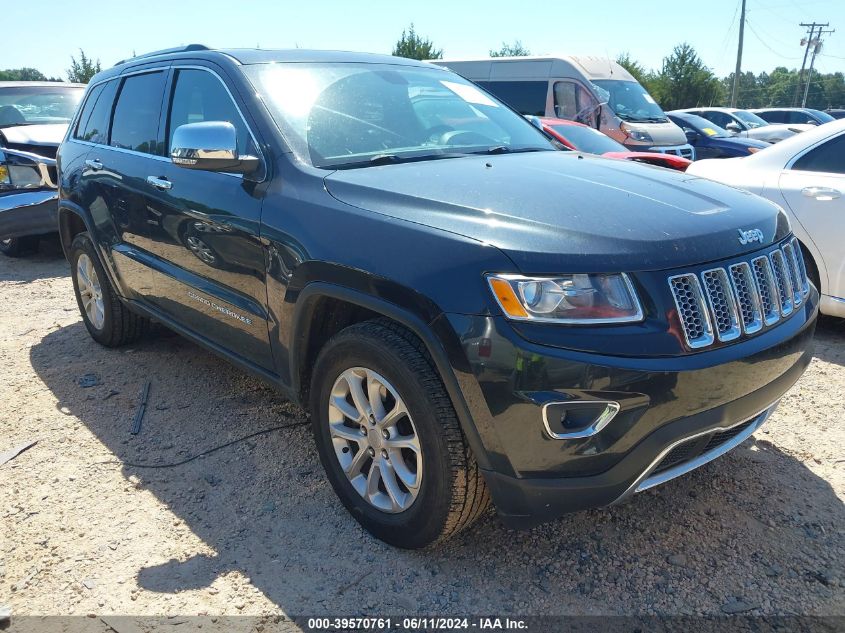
(137, 112)
(526, 97)
(96, 114)
(828, 158)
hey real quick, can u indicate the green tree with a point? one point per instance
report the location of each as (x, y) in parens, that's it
(684, 81)
(511, 50)
(634, 67)
(750, 93)
(22, 74)
(414, 46)
(81, 71)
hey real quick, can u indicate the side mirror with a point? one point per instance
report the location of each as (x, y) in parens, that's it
(210, 146)
(534, 120)
(733, 127)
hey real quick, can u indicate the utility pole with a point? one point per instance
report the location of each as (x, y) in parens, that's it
(816, 44)
(806, 44)
(738, 56)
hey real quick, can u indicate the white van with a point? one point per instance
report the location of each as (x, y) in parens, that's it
(592, 90)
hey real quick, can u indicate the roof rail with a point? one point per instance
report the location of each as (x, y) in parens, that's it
(165, 51)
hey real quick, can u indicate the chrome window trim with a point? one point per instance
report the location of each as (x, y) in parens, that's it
(791, 162)
(167, 159)
(611, 409)
(643, 482)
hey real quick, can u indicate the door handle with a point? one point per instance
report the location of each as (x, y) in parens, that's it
(159, 183)
(94, 164)
(821, 193)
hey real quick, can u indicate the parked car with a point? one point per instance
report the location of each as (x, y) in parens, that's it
(467, 312)
(711, 141)
(805, 173)
(33, 120)
(577, 136)
(595, 91)
(793, 115)
(836, 113)
(748, 124)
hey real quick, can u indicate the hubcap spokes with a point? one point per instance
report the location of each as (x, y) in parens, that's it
(90, 291)
(375, 440)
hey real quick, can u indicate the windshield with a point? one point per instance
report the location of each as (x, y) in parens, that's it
(749, 118)
(354, 115)
(701, 125)
(824, 117)
(25, 105)
(587, 139)
(629, 100)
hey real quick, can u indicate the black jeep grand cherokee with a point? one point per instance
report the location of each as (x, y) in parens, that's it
(467, 313)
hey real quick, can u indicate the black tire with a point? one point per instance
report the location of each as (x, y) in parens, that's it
(120, 325)
(452, 492)
(19, 246)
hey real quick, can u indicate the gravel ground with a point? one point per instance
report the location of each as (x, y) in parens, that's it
(255, 528)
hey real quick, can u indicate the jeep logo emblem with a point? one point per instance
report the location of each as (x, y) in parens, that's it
(752, 235)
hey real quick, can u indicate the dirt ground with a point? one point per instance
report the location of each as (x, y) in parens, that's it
(254, 528)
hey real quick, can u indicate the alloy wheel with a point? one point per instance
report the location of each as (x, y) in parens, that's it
(90, 292)
(375, 440)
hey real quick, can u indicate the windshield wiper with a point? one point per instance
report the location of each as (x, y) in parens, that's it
(506, 149)
(385, 159)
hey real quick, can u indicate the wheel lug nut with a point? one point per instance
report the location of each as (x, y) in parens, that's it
(385, 434)
(384, 453)
(363, 430)
(371, 451)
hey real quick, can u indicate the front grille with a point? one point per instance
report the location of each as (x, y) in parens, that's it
(688, 153)
(742, 298)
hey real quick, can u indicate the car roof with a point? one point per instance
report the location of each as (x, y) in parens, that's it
(785, 108)
(39, 84)
(789, 147)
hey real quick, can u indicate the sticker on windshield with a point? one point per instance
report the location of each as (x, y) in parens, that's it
(649, 98)
(709, 131)
(470, 94)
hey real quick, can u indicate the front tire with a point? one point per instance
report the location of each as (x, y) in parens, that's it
(389, 438)
(108, 321)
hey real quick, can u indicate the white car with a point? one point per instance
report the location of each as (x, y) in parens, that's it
(806, 175)
(744, 123)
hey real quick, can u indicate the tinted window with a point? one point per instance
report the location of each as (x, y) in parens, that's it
(199, 96)
(86, 109)
(829, 158)
(526, 97)
(719, 118)
(572, 101)
(778, 116)
(137, 111)
(94, 126)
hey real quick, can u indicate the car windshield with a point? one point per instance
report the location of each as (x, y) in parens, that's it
(586, 139)
(824, 117)
(25, 105)
(343, 115)
(629, 100)
(749, 118)
(701, 125)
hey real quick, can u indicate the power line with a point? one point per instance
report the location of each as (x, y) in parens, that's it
(762, 41)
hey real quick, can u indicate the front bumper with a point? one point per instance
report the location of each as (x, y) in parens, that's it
(670, 411)
(28, 213)
(684, 151)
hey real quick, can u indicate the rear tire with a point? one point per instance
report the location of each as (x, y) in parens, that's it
(19, 246)
(108, 321)
(449, 493)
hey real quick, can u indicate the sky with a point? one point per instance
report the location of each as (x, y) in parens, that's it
(647, 29)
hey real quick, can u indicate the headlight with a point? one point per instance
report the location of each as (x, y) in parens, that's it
(573, 299)
(17, 173)
(636, 134)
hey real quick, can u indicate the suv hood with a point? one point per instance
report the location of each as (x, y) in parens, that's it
(555, 212)
(50, 134)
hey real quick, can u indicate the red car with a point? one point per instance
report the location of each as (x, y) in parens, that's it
(583, 138)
